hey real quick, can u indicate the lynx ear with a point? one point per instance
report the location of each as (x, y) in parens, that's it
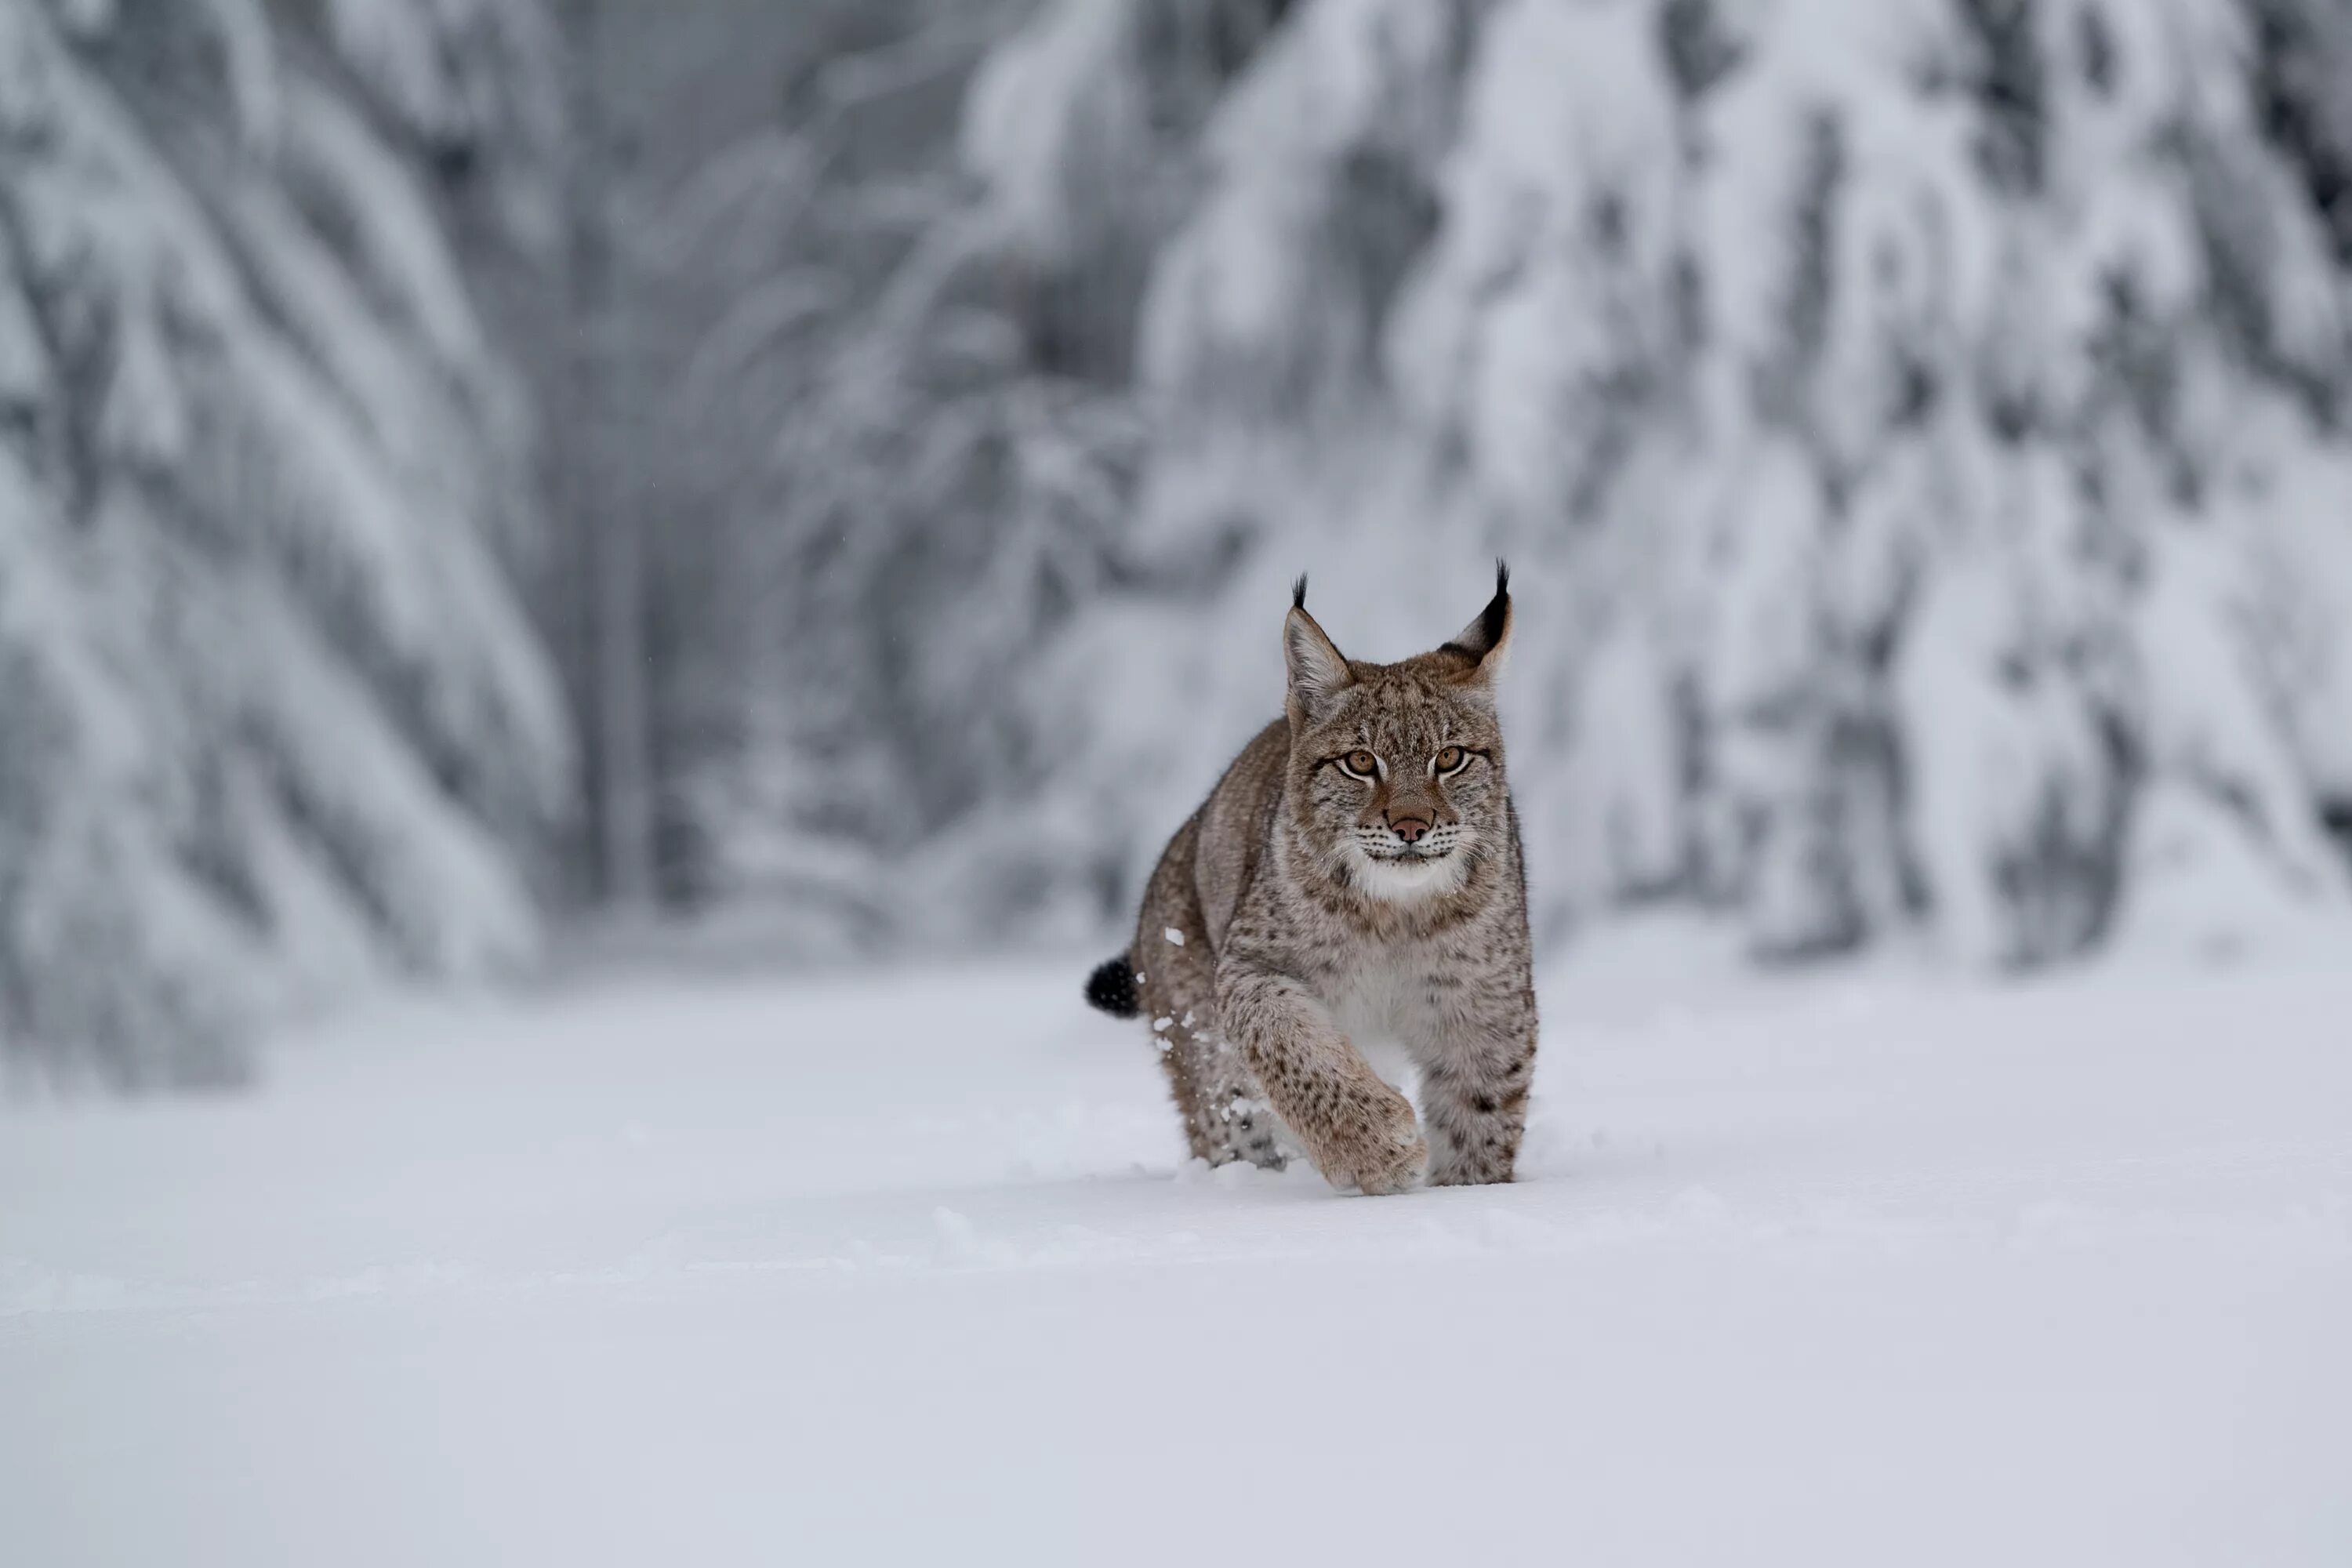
(1318, 671)
(1487, 641)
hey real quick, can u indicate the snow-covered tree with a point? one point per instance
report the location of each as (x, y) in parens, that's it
(1920, 425)
(272, 722)
(877, 482)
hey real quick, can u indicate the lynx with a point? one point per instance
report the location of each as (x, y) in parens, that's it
(1355, 876)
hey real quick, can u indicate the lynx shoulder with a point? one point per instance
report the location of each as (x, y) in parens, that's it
(1354, 877)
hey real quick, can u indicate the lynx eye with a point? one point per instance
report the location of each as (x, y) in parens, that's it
(1451, 760)
(1362, 765)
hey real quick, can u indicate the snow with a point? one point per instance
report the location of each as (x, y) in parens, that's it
(1863, 1268)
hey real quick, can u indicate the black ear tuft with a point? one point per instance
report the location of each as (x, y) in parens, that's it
(1481, 642)
(1299, 593)
(1498, 608)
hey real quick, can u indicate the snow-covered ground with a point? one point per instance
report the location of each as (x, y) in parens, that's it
(906, 1269)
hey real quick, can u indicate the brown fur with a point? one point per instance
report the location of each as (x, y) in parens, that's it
(1302, 915)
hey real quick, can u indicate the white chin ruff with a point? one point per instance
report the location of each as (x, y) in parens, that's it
(1402, 882)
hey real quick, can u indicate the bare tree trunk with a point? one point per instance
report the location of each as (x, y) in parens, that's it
(605, 492)
(623, 733)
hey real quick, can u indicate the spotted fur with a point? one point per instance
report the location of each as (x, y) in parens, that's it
(1310, 900)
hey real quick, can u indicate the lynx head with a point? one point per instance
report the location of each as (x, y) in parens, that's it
(1396, 770)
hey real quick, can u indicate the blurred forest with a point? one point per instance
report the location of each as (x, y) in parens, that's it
(831, 470)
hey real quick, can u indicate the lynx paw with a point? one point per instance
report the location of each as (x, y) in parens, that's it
(1456, 1174)
(1387, 1155)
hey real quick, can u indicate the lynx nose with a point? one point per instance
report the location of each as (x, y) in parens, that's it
(1409, 828)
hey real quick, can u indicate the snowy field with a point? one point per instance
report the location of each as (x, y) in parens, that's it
(1847, 1269)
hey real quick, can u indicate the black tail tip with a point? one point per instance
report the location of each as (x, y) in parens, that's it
(1111, 988)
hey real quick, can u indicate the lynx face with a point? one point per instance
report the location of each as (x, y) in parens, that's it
(1396, 770)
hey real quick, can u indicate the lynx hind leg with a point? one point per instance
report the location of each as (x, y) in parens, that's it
(1224, 1112)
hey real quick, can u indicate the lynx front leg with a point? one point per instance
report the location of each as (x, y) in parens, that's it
(1474, 1090)
(1359, 1132)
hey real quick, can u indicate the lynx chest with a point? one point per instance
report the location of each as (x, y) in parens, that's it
(1388, 1007)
